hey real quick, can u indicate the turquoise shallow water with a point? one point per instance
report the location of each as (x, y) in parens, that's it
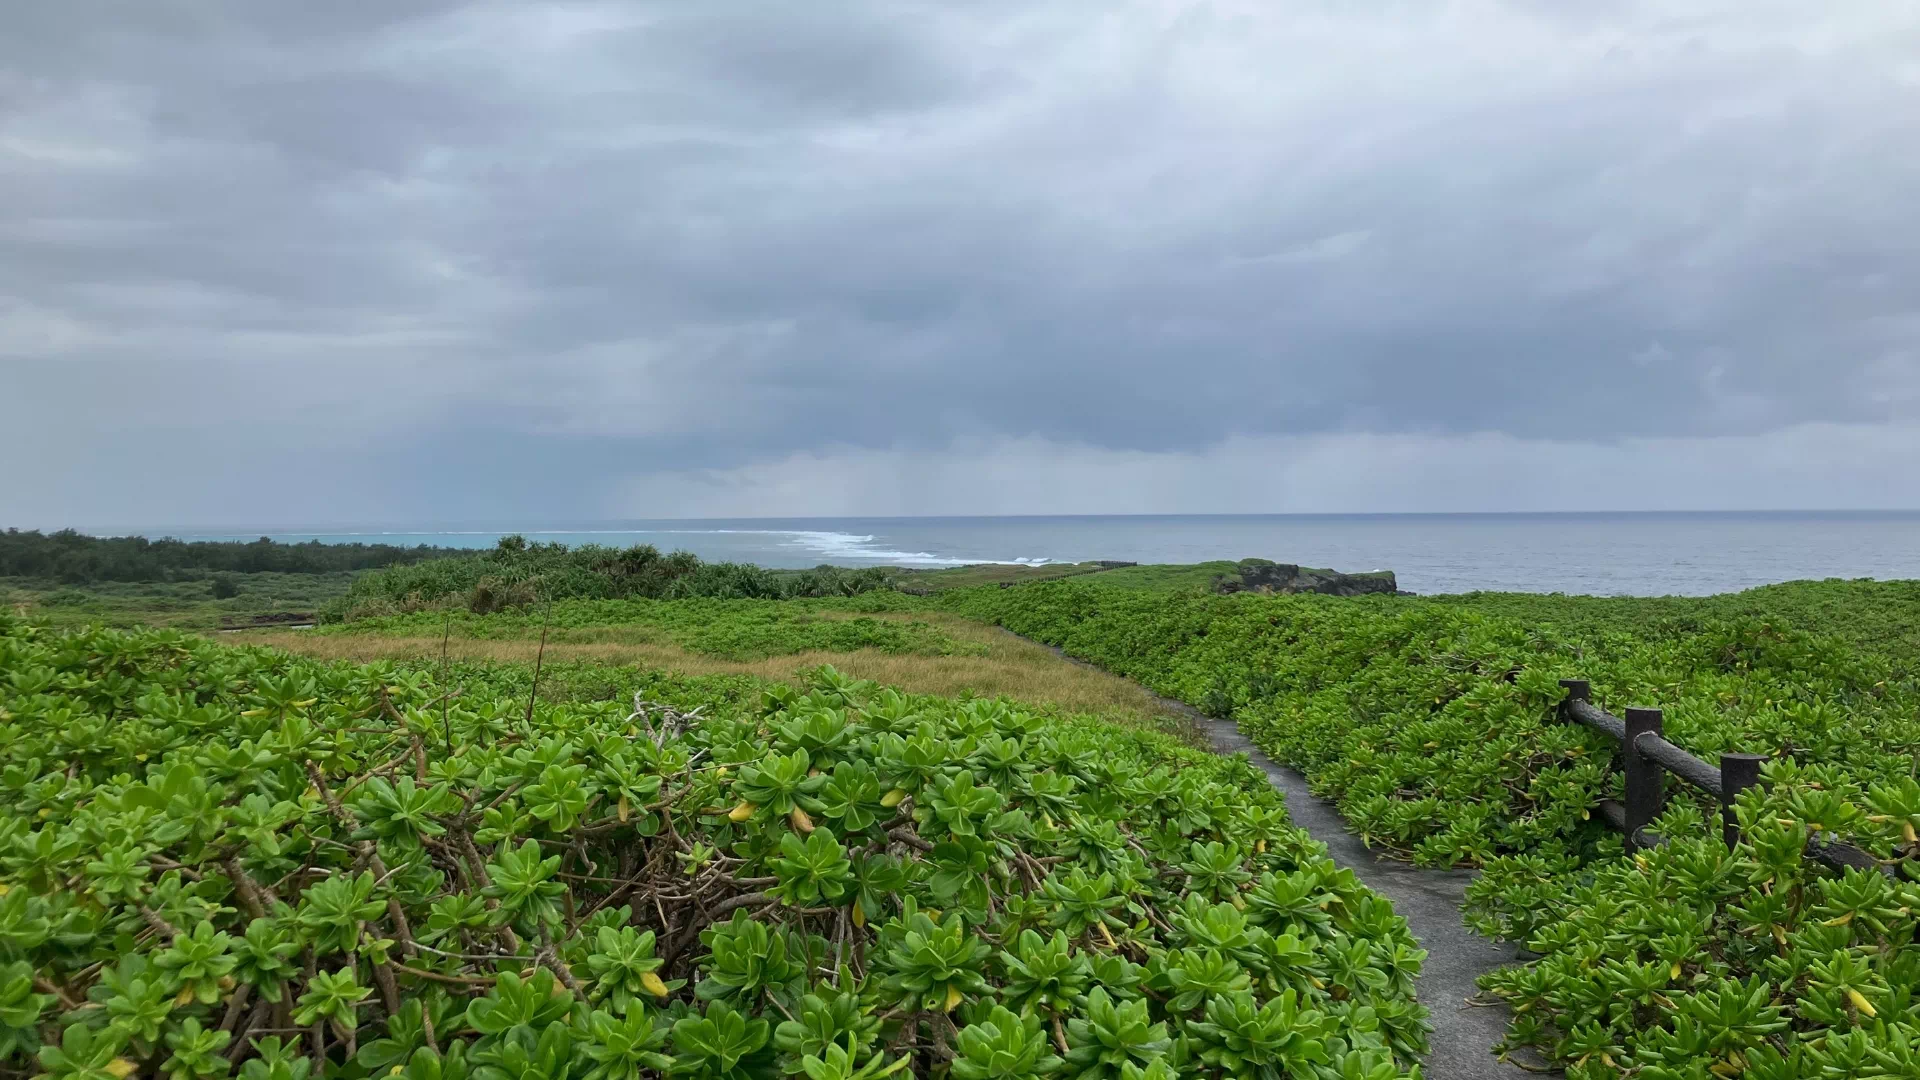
(1634, 554)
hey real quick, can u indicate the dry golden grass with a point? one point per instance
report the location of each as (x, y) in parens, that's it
(1005, 665)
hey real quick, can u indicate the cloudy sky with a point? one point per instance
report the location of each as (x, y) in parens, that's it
(415, 261)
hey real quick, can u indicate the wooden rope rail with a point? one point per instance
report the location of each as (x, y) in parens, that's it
(1647, 757)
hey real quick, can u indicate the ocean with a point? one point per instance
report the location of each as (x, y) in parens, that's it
(1641, 554)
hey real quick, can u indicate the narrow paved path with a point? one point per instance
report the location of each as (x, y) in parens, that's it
(1461, 1047)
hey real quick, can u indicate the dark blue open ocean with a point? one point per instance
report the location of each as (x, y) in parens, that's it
(1602, 553)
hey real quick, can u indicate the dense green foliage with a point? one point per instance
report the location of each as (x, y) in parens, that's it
(1877, 617)
(1453, 707)
(220, 858)
(178, 604)
(75, 559)
(729, 629)
(515, 572)
(1432, 723)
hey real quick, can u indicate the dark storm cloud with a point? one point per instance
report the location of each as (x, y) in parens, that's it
(453, 241)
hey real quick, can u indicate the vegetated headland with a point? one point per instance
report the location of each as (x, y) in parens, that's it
(611, 812)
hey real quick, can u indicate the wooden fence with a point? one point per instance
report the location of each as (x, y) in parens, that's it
(1646, 759)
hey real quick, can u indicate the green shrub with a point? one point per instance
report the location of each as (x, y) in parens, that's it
(1432, 723)
(517, 572)
(348, 871)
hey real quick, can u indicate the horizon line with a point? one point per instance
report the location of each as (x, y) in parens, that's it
(623, 525)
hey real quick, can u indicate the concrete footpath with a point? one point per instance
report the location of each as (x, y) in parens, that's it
(1461, 1046)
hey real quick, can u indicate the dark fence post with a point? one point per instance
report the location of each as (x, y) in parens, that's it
(1644, 775)
(1738, 772)
(1577, 690)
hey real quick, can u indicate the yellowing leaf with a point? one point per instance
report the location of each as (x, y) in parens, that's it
(741, 812)
(652, 984)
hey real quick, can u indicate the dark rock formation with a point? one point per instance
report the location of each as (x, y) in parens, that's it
(1260, 575)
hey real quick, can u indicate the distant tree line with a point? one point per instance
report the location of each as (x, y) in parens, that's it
(77, 559)
(515, 573)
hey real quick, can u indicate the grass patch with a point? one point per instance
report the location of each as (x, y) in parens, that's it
(726, 629)
(959, 577)
(988, 662)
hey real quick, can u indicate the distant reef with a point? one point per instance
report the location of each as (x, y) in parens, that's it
(1260, 575)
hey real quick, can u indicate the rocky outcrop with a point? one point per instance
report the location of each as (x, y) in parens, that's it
(1260, 575)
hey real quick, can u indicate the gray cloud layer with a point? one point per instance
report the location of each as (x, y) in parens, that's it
(404, 260)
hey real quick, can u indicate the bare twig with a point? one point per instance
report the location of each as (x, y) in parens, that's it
(456, 980)
(446, 726)
(237, 1007)
(47, 986)
(389, 991)
(249, 890)
(426, 1028)
(727, 907)
(549, 956)
(243, 1038)
(538, 656)
(319, 1045)
(486, 958)
(164, 863)
(161, 926)
(911, 839)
